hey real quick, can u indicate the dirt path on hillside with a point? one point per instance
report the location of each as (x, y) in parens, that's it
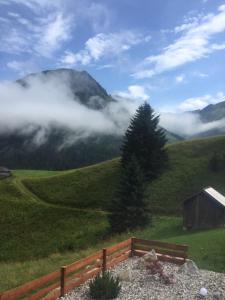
(33, 197)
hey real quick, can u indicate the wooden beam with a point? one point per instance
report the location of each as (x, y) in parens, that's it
(161, 244)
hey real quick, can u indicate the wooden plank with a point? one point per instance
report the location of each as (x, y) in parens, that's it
(161, 251)
(75, 283)
(43, 292)
(27, 287)
(83, 262)
(119, 246)
(118, 260)
(176, 260)
(84, 271)
(178, 247)
(118, 253)
(55, 294)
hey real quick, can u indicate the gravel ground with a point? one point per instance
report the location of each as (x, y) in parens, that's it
(143, 286)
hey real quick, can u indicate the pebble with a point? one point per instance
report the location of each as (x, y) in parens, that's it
(144, 286)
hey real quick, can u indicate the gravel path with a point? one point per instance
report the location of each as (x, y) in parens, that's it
(143, 286)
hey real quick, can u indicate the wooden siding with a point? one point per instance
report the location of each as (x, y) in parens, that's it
(202, 211)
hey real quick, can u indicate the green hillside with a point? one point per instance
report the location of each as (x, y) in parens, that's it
(52, 218)
(94, 186)
(31, 229)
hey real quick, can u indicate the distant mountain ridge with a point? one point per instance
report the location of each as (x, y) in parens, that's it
(209, 114)
(212, 112)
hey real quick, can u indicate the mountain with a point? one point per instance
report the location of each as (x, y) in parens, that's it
(214, 114)
(83, 86)
(61, 147)
(172, 137)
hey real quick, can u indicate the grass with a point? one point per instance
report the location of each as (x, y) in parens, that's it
(188, 174)
(34, 173)
(205, 247)
(94, 186)
(49, 219)
(89, 187)
(31, 230)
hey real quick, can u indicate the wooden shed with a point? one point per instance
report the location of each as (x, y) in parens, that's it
(204, 210)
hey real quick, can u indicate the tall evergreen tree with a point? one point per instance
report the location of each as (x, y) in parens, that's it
(145, 140)
(129, 208)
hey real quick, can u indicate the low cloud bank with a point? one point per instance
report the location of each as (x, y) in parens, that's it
(189, 124)
(44, 104)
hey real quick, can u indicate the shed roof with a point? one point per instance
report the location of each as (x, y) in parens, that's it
(212, 193)
(215, 195)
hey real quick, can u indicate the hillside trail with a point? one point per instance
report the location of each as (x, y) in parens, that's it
(34, 198)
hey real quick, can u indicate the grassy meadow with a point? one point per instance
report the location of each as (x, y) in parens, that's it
(94, 186)
(53, 218)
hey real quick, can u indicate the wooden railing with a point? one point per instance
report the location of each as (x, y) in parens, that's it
(56, 284)
(165, 251)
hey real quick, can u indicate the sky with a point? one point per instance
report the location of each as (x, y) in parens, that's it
(168, 52)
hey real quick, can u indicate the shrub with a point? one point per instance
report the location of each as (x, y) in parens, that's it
(104, 286)
(156, 268)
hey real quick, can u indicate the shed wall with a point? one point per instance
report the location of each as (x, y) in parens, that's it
(203, 212)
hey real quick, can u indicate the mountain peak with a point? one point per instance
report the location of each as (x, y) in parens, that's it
(84, 87)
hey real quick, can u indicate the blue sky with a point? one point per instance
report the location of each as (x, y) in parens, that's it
(168, 52)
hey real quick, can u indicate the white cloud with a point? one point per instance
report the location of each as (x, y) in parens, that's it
(103, 45)
(180, 78)
(194, 43)
(107, 66)
(134, 92)
(97, 15)
(48, 102)
(200, 102)
(200, 74)
(53, 33)
(188, 124)
(47, 28)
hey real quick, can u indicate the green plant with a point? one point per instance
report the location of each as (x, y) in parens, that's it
(145, 141)
(104, 286)
(129, 209)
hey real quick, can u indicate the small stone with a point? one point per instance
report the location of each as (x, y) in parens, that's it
(150, 256)
(203, 292)
(125, 275)
(189, 268)
(139, 264)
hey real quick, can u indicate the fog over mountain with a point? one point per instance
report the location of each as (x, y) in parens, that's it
(60, 119)
(199, 123)
(62, 98)
(63, 118)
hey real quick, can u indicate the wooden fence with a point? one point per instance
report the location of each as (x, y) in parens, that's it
(56, 284)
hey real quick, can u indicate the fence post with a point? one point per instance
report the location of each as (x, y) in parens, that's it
(63, 281)
(132, 246)
(104, 259)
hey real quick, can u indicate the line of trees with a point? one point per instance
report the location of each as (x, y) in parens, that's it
(143, 159)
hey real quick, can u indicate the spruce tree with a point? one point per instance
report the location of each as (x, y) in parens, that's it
(129, 208)
(145, 140)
